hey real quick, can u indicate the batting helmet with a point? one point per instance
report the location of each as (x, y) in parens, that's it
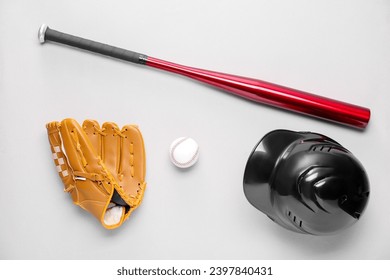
(306, 182)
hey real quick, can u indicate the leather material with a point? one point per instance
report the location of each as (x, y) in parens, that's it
(95, 162)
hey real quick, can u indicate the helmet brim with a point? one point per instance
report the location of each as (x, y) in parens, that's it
(261, 165)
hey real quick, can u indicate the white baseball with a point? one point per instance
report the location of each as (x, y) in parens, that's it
(184, 152)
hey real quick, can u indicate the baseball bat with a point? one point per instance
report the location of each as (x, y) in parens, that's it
(252, 89)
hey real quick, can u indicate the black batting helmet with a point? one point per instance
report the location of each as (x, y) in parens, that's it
(306, 182)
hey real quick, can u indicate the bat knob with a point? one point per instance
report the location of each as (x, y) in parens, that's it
(41, 33)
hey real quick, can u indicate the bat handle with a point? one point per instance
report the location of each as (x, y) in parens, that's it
(47, 34)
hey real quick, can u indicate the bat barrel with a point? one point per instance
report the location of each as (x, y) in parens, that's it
(273, 94)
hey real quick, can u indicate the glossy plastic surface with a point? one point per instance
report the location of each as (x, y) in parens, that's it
(274, 95)
(306, 182)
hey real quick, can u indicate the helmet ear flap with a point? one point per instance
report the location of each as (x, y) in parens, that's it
(307, 183)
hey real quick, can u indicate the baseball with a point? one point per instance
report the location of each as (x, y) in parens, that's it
(184, 152)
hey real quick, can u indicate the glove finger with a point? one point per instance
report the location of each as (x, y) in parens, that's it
(94, 133)
(111, 143)
(81, 154)
(133, 161)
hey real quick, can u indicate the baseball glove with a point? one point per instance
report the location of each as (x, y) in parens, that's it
(103, 169)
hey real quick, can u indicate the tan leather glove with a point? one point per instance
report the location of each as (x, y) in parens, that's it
(103, 169)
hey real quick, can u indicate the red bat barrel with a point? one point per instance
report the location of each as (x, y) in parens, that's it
(273, 94)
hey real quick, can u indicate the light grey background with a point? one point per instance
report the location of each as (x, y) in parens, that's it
(338, 49)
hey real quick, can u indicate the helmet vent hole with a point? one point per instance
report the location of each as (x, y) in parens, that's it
(294, 219)
(321, 148)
